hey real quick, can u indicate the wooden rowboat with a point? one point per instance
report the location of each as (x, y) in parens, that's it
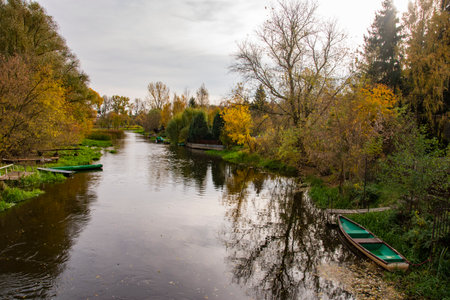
(79, 168)
(374, 248)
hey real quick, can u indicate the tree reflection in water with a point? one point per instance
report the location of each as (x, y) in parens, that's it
(36, 237)
(276, 238)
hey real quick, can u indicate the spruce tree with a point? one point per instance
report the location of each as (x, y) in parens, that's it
(260, 99)
(381, 48)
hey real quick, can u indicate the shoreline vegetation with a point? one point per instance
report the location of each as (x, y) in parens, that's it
(427, 281)
(373, 134)
(15, 192)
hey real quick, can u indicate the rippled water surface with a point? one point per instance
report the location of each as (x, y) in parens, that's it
(162, 223)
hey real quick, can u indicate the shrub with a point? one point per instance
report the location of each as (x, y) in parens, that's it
(198, 129)
(174, 128)
(217, 127)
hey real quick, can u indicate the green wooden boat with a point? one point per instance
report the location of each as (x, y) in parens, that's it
(79, 168)
(373, 247)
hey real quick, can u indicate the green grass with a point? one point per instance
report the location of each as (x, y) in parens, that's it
(327, 197)
(348, 197)
(26, 188)
(97, 143)
(238, 156)
(84, 156)
(39, 178)
(11, 196)
(137, 129)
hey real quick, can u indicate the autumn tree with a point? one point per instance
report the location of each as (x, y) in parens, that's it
(27, 31)
(150, 121)
(179, 104)
(353, 133)
(238, 122)
(382, 48)
(32, 110)
(166, 114)
(295, 57)
(137, 106)
(427, 64)
(202, 96)
(158, 95)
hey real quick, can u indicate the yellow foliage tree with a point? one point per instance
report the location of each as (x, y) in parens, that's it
(179, 104)
(34, 112)
(353, 131)
(166, 114)
(238, 123)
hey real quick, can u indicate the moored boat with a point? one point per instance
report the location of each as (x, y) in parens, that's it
(373, 247)
(79, 168)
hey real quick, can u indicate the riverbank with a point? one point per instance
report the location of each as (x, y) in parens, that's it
(28, 187)
(429, 280)
(411, 235)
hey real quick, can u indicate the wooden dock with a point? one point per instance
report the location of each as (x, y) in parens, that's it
(15, 175)
(205, 146)
(64, 172)
(336, 211)
(30, 160)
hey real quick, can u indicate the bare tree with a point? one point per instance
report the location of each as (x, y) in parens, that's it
(137, 107)
(202, 96)
(295, 57)
(158, 95)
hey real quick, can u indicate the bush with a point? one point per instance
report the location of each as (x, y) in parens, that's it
(174, 128)
(217, 127)
(198, 129)
(418, 171)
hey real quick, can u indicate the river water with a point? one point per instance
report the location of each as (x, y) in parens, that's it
(163, 223)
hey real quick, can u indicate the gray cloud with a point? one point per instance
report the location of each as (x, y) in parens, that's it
(124, 45)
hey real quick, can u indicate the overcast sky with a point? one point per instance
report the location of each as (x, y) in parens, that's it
(125, 44)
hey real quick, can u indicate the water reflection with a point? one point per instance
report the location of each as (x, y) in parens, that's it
(36, 236)
(167, 223)
(276, 239)
(192, 167)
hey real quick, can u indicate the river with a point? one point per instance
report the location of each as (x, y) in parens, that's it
(163, 223)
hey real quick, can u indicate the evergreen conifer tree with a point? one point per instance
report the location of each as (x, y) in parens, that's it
(381, 48)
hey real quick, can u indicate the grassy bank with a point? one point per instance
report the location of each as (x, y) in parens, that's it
(411, 235)
(428, 281)
(348, 196)
(28, 187)
(239, 156)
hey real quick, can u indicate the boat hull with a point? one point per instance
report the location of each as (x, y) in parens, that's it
(372, 247)
(79, 168)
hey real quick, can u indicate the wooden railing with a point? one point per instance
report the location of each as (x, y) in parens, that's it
(6, 168)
